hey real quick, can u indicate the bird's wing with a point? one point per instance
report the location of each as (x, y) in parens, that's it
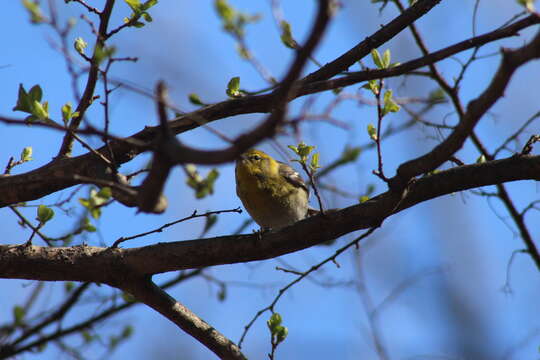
(292, 176)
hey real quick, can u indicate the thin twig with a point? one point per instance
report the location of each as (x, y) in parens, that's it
(380, 170)
(35, 230)
(161, 228)
(298, 279)
(314, 185)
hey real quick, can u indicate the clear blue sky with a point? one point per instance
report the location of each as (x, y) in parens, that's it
(454, 250)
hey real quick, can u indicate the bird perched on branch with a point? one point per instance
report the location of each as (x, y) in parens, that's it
(272, 192)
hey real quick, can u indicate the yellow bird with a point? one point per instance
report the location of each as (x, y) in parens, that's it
(272, 192)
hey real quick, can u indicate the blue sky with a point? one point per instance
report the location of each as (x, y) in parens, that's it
(454, 250)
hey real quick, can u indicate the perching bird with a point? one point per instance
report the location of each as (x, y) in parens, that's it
(272, 192)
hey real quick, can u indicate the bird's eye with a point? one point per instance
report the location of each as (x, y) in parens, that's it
(255, 157)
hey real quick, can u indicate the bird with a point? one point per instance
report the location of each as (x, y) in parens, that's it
(272, 192)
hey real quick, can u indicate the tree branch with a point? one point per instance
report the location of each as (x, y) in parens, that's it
(511, 61)
(380, 37)
(111, 266)
(144, 290)
(86, 100)
(429, 59)
(10, 350)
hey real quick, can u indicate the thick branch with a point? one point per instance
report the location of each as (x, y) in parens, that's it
(150, 294)
(86, 100)
(360, 76)
(383, 35)
(150, 196)
(511, 61)
(106, 265)
(10, 350)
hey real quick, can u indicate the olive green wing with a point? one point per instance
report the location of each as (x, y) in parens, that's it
(292, 176)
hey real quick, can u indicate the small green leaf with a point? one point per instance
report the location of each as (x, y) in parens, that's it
(34, 10)
(87, 338)
(350, 154)
(68, 286)
(67, 113)
(41, 111)
(481, 159)
(528, 4)
(84, 202)
(281, 333)
(212, 176)
(386, 59)
(303, 151)
(277, 331)
(127, 332)
(364, 198)
(372, 86)
(286, 35)
(195, 99)
(103, 52)
(127, 297)
(35, 93)
(95, 212)
(146, 16)
(24, 102)
(274, 321)
(139, 10)
(18, 315)
(95, 201)
(26, 154)
(211, 220)
(149, 3)
(437, 96)
(44, 214)
(372, 132)
(135, 5)
(113, 341)
(202, 186)
(377, 58)
(293, 148)
(80, 45)
(135, 24)
(30, 103)
(389, 104)
(233, 21)
(222, 294)
(233, 87)
(208, 184)
(224, 10)
(87, 226)
(105, 193)
(314, 162)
